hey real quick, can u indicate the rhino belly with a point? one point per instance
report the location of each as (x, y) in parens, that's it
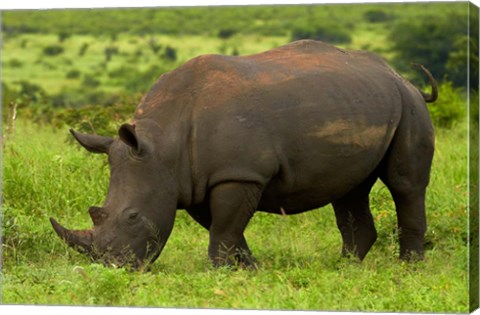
(329, 163)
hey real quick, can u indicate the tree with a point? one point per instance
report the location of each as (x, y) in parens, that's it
(436, 42)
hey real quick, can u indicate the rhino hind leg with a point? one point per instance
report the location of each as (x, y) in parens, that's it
(355, 221)
(412, 223)
(408, 191)
(406, 173)
(232, 205)
(201, 214)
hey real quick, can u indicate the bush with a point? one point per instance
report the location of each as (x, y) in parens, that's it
(53, 50)
(138, 52)
(62, 36)
(226, 33)
(377, 16)
(81, 97)
(433, 42)
(110, 52)
(456, 66)
(154, 46)
(329, 34)
(102, 119)
(90, 81)
(15, 63)
(83, 49)
(170, 53)
(123, 71)
(142, 81)
(23, 93)
(73, 74)
(134, 80)
(450, 107)
(30, 92)
(48, 65)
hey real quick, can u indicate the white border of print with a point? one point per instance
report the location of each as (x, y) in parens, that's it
(62, 4)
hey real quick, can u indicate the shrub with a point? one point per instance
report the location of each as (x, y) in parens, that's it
(62, 36)
(15, 63)
(138, 52)
(29, 92)
(53, 50)
(431, 41)
(154, 46)
(81, 97)
(223, 48)
(170, 53)
(330, 34)
(90, 81)
(122, 72)
(73, 74)
(377, 16)
(25, 94)
(142, 81)
(450, 107)
(67, 61)
(48, 65)
(226, 33)
(102, 119)
(83, 49)
(456, 65)
(133, 80)
(110, 52)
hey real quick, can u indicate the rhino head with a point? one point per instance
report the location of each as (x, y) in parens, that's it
(133, 225)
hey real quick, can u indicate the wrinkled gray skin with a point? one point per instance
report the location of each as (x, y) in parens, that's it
(285, 131)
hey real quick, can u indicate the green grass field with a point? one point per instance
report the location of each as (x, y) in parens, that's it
(299, 255)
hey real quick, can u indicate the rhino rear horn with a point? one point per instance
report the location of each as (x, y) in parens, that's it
(98, 215)
(81, 240)
(93, 143)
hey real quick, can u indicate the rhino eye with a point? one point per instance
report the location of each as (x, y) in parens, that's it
(132, 216)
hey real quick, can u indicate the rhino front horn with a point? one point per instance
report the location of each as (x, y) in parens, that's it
(81, 240)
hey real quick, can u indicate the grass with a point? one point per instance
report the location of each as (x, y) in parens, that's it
(299, 255)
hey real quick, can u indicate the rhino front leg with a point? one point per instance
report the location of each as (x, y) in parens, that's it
(201, 214)
(232, 205)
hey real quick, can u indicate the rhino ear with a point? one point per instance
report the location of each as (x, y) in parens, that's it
(128, 135)
(93, 143)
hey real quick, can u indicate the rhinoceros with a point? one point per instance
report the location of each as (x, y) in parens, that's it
(284, 131)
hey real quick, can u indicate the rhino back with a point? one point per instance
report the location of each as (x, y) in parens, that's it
(307, 121)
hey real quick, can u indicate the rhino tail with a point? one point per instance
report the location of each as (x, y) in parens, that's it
(432, 97)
